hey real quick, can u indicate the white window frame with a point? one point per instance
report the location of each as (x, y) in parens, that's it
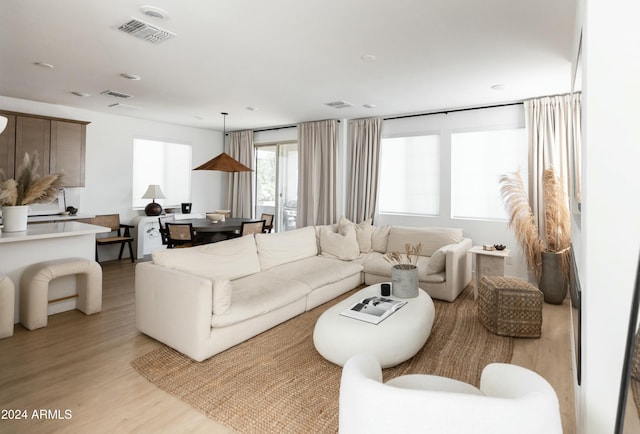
(415, 173)
(165, 163)
(475, 172)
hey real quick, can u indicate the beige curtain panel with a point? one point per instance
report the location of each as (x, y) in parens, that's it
(241, 183)
(577, 145)
(364, 143)
(547, 122)
(317, 143)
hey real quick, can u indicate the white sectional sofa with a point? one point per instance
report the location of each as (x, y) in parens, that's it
(203, 300)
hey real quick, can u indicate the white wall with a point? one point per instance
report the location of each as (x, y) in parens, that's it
(108, 171)
(480, 231)
(610, 227)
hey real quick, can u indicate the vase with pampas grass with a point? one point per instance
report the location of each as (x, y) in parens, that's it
(404, 271)
(27, 188)
(548, 256)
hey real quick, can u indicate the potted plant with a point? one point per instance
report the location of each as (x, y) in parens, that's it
(404, 272)
(27, 188)
(548, 256)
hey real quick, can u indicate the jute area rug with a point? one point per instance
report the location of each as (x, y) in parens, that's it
(276, 382)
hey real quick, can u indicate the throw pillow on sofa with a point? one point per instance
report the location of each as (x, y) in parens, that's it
(339, 245)
(364, 231)
(379, 238)
(438, 260)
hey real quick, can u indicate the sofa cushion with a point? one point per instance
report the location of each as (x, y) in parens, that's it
(380, 238)
(258, 294)
(431, 238)
(228, 259)
(438, 260)
(221, 296)
(282, 247)
(339, 245)
(317, 271)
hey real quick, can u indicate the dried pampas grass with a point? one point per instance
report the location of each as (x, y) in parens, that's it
(29, 187)
(557, 220)
(521, 219)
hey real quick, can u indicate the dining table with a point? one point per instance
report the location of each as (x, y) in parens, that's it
(211, 232)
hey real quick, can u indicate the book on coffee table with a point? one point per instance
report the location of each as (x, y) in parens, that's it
(373, 309)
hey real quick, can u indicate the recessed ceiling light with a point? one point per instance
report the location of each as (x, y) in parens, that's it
(498, 87)
(368, 58)
(130, 76)
(81, 94)
(154, 12)
(369, 106)
(44, 65)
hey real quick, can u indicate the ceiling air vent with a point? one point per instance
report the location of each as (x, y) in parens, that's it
(145, 31)
(339, 104)
(116, 94)
(125, 107)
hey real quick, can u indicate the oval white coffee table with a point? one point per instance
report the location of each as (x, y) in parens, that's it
(396, 339)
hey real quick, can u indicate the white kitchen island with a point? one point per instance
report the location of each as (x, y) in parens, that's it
(44, 242)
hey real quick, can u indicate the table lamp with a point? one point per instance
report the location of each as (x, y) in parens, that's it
(153, 192)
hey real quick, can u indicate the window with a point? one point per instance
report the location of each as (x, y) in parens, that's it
(277, 183)
(410, 175)
(165, 164)
(477, 161)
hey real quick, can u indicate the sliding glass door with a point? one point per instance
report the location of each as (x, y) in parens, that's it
(277, 183)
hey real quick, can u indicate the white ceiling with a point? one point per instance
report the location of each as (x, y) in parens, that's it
(287, 58)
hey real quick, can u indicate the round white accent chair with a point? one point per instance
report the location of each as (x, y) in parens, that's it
(511, 399)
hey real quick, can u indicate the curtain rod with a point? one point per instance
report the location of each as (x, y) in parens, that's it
(453, 110)
(411, 115)
(281, 127)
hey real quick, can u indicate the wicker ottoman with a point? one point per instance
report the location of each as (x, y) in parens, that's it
(508, 306)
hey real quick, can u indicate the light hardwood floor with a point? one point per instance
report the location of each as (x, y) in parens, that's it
(77, 369)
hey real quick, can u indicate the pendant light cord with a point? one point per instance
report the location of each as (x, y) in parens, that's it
(224, 131)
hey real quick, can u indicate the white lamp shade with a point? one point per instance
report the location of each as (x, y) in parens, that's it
(153, 192)
(3, 123)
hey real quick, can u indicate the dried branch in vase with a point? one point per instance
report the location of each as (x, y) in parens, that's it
(410, 258)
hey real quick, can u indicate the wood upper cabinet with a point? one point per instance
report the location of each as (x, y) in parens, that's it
(8, 146)
(59, 143)
(33, 135)
(68, 151)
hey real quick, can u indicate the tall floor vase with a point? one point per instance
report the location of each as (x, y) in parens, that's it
(552, 281)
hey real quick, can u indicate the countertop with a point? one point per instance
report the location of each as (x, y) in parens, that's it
(51, 230)
(54, 218)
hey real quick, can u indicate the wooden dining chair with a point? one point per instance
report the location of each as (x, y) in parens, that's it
(268, 222)
(180, 235)
(164, 235)
(250, 228)
(120, 233)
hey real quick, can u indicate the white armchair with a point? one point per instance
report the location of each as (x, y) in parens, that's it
(511, 399)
